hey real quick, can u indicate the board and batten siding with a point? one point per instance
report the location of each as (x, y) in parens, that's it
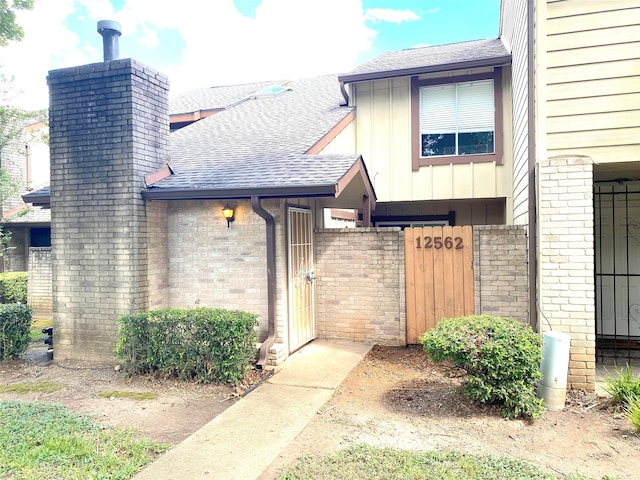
(514, 34)
(591, 78)
(343, 143)
(383, 138)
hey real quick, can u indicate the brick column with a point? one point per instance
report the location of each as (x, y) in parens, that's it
(566, 259)
(39, 290)
(109, 127)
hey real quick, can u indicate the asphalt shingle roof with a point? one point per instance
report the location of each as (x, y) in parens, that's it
(213, 98)
(261, 142)
(432, 58)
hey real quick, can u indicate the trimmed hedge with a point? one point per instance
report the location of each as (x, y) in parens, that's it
(13, 287)
(202, 344)
(501, 357)
(15, 322)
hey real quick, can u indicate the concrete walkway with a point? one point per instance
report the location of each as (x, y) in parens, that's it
(246, 438)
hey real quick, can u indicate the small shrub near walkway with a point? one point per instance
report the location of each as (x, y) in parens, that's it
(201, 344)
(501, 357)
(46, 441)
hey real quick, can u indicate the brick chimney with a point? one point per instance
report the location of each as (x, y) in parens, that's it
(109, 126)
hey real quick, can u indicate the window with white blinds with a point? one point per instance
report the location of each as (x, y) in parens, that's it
(457, 119)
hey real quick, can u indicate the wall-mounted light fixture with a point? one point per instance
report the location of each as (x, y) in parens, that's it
(227, 213)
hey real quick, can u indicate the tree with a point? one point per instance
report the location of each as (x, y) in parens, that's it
(12, 119)
(9, 28)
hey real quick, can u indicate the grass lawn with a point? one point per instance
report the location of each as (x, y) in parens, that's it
(44, 440)
(362, 462)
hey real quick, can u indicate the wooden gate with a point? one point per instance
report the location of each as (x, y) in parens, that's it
(439, 276)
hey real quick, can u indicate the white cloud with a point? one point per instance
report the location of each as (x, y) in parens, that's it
(286, 39)
(389, 15)
(149, 37)
(46, 41)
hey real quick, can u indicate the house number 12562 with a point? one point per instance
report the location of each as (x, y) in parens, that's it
(439, 242)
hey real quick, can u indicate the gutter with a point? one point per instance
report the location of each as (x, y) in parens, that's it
(485, 62)
(326, 190)
(531, 150)
(295, 191)
(345, 95)
(271, 280)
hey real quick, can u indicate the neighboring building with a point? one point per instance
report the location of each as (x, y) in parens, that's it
(587, 125)
(26, 161)
(576, 83)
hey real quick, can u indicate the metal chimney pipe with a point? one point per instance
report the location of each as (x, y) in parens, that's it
(110, 32)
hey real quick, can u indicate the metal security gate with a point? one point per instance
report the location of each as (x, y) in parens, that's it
(439, 276)
(302, 327)
(617, 269)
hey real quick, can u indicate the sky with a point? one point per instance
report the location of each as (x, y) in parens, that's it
(203, 43)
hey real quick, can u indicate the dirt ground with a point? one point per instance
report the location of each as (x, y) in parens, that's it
(179, 409)
(394, 397)
(397, 397)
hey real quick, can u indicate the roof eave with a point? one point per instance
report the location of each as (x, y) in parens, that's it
(358, 169)
(37, 200)
(323, 190)
(406, 72)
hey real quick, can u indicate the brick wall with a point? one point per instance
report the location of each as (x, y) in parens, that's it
(39, 292)
(208, 264)
(500, 271)
(566, 259)
(108, 128)
(215, 266)
(16, 257)
(360, 285)
(158, 252)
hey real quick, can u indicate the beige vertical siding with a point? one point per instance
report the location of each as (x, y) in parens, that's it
(590, 57)
(514, 35)
(344, 142)
(383, 138)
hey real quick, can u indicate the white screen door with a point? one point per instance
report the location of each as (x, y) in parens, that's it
(302, 328)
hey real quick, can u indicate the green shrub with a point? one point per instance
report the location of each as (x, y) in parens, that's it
(15, 322)
(632, 411)
(13, 287)
(623, 386)
(204, 344)
(501, 358)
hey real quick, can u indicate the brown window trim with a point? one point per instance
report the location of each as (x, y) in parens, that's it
(417, 161)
